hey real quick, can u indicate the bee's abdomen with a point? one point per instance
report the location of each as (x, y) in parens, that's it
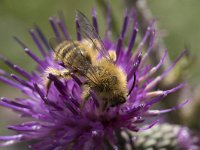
(72, 55)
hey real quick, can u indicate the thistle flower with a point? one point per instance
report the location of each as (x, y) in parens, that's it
(162, 136)
(57, 120)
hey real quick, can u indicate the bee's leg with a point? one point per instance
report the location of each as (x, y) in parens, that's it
(58, 73)
(85, 95)
(113, 55)
(105, 106)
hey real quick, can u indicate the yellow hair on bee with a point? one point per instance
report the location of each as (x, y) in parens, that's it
(120, 87)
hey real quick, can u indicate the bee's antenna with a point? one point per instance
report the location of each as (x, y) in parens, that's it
(134, 82)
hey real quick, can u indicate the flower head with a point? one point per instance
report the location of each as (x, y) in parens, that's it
(58, 121)
(162, 136)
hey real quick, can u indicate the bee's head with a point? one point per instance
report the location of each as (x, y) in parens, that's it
(117, 100)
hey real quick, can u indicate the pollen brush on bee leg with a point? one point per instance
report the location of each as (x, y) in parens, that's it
(85, 94)
(64, 73)
(113, 55)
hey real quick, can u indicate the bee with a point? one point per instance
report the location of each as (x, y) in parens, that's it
(90, 60)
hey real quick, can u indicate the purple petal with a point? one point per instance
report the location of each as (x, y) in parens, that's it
(55, 29)
(37, 42)
(42, 37)
(15, 67)
(159, 78)
(94, 20)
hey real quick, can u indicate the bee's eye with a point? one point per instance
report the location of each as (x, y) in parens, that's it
(117, 101)
(122, 100)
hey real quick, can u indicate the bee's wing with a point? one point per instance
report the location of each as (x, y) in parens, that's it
(54, 42)
(90, 73)
(89, 33)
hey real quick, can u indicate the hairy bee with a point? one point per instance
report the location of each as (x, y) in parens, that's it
(89, 59)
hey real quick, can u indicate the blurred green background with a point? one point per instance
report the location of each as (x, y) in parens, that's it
(179, 20)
